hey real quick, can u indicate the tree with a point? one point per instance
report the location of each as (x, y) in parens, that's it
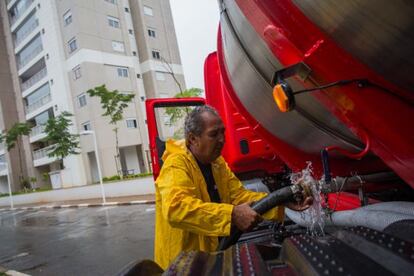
(57, 130)
(170, 71)
(113, 103)
(11, 139)
(176, 113)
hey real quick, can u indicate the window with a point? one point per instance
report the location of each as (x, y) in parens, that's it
(131, 123)
(76, 72)
(122, 72)
(42, 94)
(72, 45)
(156, 54)
(113, 22)
(130, 31)
(128, 93)
(126, 9)
(111, 1)
(82, 100)
(25, 29)
(29, 52)
(160, 76)
(134, 53)
(86, 126)
(151, 33)
(148, 11)
(118, 46)
(67, 18)
(43, 117)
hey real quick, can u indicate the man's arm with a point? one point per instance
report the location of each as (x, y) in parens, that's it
(240, 195)
(182, 209)
(244, 217)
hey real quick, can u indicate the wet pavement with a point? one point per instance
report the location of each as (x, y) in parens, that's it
(79, 241)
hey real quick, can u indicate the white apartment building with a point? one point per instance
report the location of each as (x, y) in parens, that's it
(53, 51)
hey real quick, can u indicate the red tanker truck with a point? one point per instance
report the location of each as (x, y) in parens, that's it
(323, 82)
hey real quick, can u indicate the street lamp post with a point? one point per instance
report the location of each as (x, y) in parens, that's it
(91, 132)
(8, 182)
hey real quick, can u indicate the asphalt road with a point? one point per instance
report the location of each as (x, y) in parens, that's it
(79, 241)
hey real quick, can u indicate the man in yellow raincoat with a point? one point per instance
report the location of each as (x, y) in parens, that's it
(198, 198)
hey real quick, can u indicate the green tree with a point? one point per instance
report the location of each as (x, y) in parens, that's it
(12, 138)
(57, 130)
(113, 103)
(176, 113)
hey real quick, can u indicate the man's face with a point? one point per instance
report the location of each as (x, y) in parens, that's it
(208, 146)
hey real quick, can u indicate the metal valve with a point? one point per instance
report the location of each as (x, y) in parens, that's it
(301, 191)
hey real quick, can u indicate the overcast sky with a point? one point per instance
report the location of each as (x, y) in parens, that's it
(196, 23)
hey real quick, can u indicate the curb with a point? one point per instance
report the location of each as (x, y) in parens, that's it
(11, 272)
(82, 205)
(15, 273)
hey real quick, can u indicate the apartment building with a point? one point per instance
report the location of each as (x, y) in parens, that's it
(55, 50)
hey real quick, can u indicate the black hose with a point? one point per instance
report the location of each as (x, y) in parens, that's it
(274, 199)
(377, 177)
(354, 182)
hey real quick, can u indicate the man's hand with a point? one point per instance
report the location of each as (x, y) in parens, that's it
(300, 206)
(244, 217)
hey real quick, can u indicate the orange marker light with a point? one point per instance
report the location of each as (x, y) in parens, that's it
(281, 98)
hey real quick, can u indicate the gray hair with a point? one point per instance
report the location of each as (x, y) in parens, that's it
(194, 122)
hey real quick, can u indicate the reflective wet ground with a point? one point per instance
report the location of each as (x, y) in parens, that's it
(78, 241)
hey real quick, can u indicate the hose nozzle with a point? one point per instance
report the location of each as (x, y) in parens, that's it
(301, 191)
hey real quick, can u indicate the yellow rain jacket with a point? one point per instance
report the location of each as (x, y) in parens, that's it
(186, 219)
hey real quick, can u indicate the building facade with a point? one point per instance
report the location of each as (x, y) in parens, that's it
(54, 51)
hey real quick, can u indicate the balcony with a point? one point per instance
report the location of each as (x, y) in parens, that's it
(42, 153)
(40, 156)
(37, 133)
(37, 130)
(22, 10)
(34, 79)
(26, 33)
(39, 103)
(30, 57)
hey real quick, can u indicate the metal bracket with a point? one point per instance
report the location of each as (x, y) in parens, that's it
(299, 69)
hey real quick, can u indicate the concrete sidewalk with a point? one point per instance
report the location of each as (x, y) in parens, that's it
(125, 192)
(91, 202)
